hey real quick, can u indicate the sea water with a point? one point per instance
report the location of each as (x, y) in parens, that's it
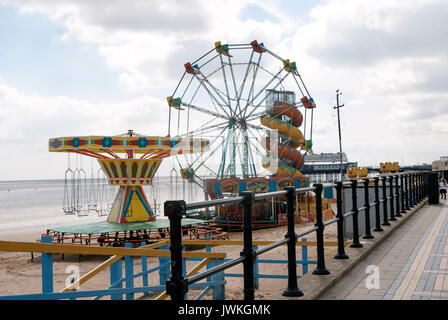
(37, 205)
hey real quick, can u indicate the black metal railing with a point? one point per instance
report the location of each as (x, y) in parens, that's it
(411, 191)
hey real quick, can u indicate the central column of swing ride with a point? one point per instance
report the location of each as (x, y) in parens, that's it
(242, 97)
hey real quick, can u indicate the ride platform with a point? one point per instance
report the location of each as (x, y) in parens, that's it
(105, 233)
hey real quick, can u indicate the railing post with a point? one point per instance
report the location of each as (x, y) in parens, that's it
(47, 268)
(256, 273)
(412, 190)
(164, 272)
(248, 253)
(292, 290)
(219, 292)
(377, 207)
(421, 186)
(320, 269)
(385, 217)
(407, 185)
(397, 197)
(403, 207)
(144, 270)
(116, 274)
(129, 272)
(417, 188)
(355, 243)
(368, 234)
(177, 285)
(391, 191)
(340, 223)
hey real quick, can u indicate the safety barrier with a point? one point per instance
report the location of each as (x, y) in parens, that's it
(406, 190)
(116, 291)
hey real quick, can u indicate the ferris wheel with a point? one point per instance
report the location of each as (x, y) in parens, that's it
(235, 95)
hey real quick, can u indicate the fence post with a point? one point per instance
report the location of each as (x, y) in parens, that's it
(412, 190)
(340, 223)
(433, 196)
(385, 217)
(248, 253)
(377, 207)
(355, 243)
(397, 197)
(368, 234)
(129, 272)
(407, 185)
(392, 197)
(417, 188)
(177, 285)
(320, 269)
(164, 272)
(47, 268)
(421, 187)
(292, 290)
(116, 274)
(219, 292)
(403, 207)
(144, 270)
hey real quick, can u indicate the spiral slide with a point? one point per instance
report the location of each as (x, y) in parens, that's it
(290, 160)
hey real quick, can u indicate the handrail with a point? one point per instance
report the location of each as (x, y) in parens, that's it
(13, 246)
(414, 184)
(106, 264)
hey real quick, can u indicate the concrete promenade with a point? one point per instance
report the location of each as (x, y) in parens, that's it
(411, 264)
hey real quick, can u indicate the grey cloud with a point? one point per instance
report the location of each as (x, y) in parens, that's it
(145, 15)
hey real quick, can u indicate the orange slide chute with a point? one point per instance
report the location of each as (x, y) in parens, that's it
(290, 160)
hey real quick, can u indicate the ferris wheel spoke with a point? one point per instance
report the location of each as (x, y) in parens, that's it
(203, 56)
(207, 81)
(274, 55)
(298, 85)
(275, 87)
(251, 90)
(233, 79)
(224, 155)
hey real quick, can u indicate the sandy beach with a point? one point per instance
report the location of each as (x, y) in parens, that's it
(20, 275)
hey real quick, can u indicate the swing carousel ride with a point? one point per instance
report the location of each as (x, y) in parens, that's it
(234, 125)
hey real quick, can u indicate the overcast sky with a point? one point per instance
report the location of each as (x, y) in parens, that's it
(79, 67)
